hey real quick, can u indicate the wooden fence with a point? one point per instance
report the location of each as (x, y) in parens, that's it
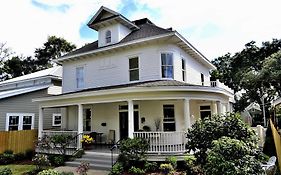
(18, 141)
(277, 142)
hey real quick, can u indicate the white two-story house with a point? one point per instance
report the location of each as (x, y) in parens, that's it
(136, 80)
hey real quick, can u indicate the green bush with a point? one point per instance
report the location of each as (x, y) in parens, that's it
(41, 160)
(204, 132)
(56, 160)
(49, 172)
(8, 151)
(29, 153)
(19, 156)
(150, 166)
(6, 159)
(166, 168)
(172, 160)
(5, 171)
(132, 152)
(136, 171)
(232, 157)
(117, 169)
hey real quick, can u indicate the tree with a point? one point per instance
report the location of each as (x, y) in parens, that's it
(54, 48)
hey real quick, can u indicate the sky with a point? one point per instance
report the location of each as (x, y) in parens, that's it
(214, 27)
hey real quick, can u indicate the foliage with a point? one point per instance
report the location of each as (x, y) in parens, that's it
(6, 159)
(166, 168)
(20, 169)
(52, 49)
(79, 153)
(150, 166)
(136, 171)
(83, 168)
(49, 172)
(232, 157)
(41, 160)
(269, 146)
(29, 153)
(87, 139)
(204, 132)
(172, 160)
(132, 152)
(5, 171)
(8, 152)
(57, 160)
(254, 69)
(19, 156)
(117, 169)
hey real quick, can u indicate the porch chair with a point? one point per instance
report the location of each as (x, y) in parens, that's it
(270, 168)
(111, 137)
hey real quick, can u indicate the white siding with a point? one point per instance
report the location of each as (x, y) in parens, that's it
(112, 69)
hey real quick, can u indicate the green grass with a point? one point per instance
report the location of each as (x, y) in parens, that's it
(19, 169)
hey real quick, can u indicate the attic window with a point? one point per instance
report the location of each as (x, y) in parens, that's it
(108, 36)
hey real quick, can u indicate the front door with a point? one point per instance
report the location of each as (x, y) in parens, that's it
(123, 124)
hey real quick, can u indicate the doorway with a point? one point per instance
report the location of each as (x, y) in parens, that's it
(124, 120)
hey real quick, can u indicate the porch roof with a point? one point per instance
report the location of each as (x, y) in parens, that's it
(139, 87)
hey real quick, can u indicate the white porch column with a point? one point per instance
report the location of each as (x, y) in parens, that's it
(228, 107)
(40, 122)
(130, 118)
(80, 125)
(186, 113)
(214, 108)
(219, 110)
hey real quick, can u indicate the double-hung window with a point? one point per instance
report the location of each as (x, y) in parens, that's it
(56, 119)
(19, 121)
(108, 36)
(167, 67)
(80, 77)
(169, 123)
(134, 68)
(183, 67)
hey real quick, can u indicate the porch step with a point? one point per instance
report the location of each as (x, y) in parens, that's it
(97, 160)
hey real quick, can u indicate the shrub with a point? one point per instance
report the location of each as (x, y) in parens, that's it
(49, 172)
(172, 160)
(29, 153)
(79, 153)
(5, 171)
(203, 132)
(136, 171)
(56, 160)
(19, 156)
(150, 166)
(117, 169)
(6, 159)
(132, 152)
(83, 168)
(232, 157)
(8, 151)
(166, 168)
(41, 160)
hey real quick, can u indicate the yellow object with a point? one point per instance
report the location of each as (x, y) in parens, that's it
(87, 139)
(277, 142)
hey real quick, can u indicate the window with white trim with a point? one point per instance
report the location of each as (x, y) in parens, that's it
(169, 123)
(205, 111)
(134, 68)
(183, 68)
(56, 120)
(108, 36)
(19, 121)
(80, 77)
(167, 67)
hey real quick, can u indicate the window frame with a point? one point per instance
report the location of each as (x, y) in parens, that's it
(173, 118)
(183, 67)
(108, 37)
(161, 67)
(78, 78)
(20, 123)
(134, 69)
(205, 110)
(53, 119)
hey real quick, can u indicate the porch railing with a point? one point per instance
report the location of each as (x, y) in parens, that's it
(217, 83)
(164, 142)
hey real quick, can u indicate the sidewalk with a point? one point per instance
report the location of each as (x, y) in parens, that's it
(72, 169)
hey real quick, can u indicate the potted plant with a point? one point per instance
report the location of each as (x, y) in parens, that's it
(86, 141)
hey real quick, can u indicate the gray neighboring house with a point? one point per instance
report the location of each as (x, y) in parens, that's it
(18, 112)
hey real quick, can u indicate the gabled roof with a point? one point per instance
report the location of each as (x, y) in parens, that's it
(55, 72)
(277, 101)
(105, 14)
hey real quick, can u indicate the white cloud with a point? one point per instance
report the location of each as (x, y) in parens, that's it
(214, 27)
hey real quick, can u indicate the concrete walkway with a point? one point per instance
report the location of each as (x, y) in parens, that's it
(72, 169)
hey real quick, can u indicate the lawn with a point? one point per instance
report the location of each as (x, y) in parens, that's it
(19, 169)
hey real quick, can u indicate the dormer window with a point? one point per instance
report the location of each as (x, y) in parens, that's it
(108, 36)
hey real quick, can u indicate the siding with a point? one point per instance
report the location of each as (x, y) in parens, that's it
(23, 104)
